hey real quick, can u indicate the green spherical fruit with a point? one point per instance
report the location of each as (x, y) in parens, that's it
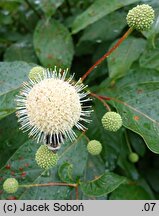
(10, 185)
(112, 121)
(35, 72)
(45, 158)
(140, 17)
(94, 147)
(133, 157)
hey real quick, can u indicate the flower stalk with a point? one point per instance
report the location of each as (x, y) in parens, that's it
(74, 185)
(107, 54)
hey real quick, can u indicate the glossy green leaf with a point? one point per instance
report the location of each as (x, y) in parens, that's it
(102, 185)
(136, 100)
(96, 11)
(120, 61)
(152, 175)
(149, 59)
(24, 168)
(137, 143)
(53, 44)
(96, 32)
(115, 150)
(65, 172)
(7, 103)
(142, 119)
(94, 168)
(130, 192)
(12, 74)
(11, 138)
(21, 51)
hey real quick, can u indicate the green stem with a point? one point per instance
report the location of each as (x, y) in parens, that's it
(128, 143)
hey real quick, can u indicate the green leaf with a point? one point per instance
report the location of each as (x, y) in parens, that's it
(114, 23)
(137, 143)
(11, 138)
(65, 172)
(142, 119)
(115, 150)
(102, 185)
(151, 175)
(120, 61)
(96, 11)
(24, 168)
(130, 192)
(149, 59)
(95, 167)
(21, 51)
(7, 103)
(53, 44)
(136, 101)
(69, 153)
(12, 74)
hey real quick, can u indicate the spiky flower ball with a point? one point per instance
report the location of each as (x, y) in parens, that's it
(45, 158)
(112, 121)
(36, 71)
(94, 147)
(50, 106)
(140, 17)
(133, 157)
(10, 185)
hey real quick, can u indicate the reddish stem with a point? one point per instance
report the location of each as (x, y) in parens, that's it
(100, 99)
(76, 188)
(107, 53)
(50, 184)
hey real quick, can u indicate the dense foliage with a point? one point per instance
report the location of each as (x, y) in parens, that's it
(74, 34)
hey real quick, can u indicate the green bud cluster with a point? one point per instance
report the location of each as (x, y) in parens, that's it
(35, 71)
(45, 158)
(112, 121)
(94, 147)
(10, 185)
(140, 17)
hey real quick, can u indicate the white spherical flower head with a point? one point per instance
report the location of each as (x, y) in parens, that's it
(51, 106)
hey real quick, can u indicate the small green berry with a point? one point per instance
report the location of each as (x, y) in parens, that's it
(45, 158)
(10, 185)
(35, 71)
(112, 121)
(94, 147)
(133, 157)
(140, 17)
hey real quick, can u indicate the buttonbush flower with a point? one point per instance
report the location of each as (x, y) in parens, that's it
(45, 158)
(51, 105)
(94, 147)
(141, 17)
(10, 185)
(35, 71)
(112, 121)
